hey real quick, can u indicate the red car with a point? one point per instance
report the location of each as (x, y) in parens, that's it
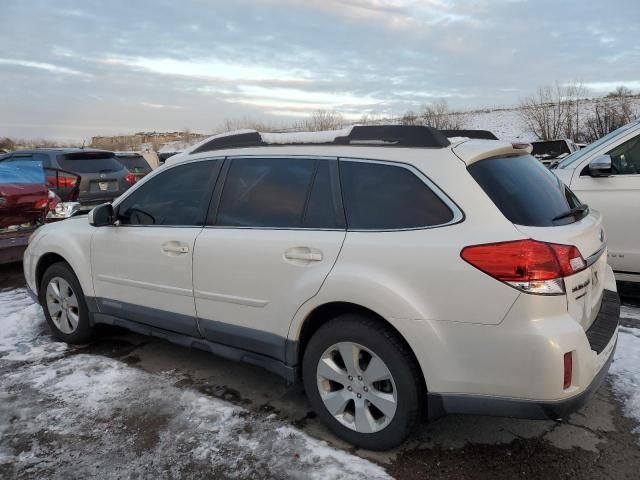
(29, 195)
(22, 203)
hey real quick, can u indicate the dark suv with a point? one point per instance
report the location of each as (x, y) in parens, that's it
(103, 177)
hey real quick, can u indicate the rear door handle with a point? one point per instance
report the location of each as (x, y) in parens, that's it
(304, 254)
(175, 248)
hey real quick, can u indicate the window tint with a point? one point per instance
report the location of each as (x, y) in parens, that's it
(625, 158)
(134, 163)
(175, 197)
(266, 192)
(525, 191)
(89, 163)
(379, 196)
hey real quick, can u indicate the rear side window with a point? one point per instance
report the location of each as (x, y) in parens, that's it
(384, 197)
(134, 163)
(277, 193)
(89, 163)
(525, 191)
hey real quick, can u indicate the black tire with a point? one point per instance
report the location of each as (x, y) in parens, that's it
(400, 362)
(84, 331)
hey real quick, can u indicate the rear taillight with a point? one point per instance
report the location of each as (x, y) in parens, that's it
(528, 265)
(60, 181)
(131, 178)
(568, 370)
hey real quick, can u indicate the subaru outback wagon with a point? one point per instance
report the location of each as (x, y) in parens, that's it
(397, 275)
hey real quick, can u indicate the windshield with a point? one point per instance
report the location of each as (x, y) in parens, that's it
(575, 156)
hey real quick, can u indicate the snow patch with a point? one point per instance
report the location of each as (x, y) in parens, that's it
(79, 415)
(626, 369)
(292, 138)
(23, 329)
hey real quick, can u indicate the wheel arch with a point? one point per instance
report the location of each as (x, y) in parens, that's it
(44, 262)
(327, 311)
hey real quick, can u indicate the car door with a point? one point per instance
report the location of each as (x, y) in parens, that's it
(617, 197)
(272, 239)
(142, 266)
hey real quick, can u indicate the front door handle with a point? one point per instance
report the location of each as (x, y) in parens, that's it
(304, 254)
(175, 248)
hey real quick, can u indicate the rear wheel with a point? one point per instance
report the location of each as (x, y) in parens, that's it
(363, 382)
(64, 305)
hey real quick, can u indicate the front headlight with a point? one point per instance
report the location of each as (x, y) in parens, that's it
(64, 210)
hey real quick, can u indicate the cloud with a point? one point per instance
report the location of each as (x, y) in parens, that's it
(169, 65)
(49, 67)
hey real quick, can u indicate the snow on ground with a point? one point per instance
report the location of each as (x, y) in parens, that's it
(626, 366)
(67, 414)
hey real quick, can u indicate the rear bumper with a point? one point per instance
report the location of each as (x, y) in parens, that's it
(602, 340)
(443, 404)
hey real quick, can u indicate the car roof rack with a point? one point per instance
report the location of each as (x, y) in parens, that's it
(408, 136)
(473, 134)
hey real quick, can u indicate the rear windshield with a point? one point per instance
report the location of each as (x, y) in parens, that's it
(89, 162)
(526, 192)
(552, 149)
(135, 163)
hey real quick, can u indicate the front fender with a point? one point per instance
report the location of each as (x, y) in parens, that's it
(69, 239)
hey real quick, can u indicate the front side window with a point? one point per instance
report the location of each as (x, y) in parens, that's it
(625, 158)
(277, 193)
(176, 197)
(387, 197)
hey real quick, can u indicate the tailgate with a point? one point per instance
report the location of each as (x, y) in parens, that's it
(585, 288)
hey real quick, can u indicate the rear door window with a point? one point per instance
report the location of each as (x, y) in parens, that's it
(380, 196)
(278, 193)
(526, 192)
(87, 162)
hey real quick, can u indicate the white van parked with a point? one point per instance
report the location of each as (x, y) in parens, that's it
(606, 176)
(396, 274)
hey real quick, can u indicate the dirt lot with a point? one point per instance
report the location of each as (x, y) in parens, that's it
(135, 407)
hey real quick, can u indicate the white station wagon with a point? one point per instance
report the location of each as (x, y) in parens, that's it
(398, 275)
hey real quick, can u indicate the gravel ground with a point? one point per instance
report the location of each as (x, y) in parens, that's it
(134, 407)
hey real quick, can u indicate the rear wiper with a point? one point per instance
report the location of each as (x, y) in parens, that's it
(573, 212)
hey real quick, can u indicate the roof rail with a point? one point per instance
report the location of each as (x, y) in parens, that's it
(369, 135)
(474, 134)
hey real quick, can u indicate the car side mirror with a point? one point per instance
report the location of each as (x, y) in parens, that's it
(600, 166)
(101, 215)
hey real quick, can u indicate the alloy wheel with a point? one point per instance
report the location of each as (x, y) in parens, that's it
(62, 305)
(357, 387)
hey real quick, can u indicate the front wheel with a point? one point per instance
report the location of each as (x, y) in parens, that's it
(363, 382)
(64, 305)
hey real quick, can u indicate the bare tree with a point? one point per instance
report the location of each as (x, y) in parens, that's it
(608, 115)
(620, 92)
(322, 120)
(410, 118)
(436, 115)
(553, 112)
(7, 144)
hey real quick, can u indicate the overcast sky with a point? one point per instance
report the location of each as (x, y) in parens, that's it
(72, 69)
